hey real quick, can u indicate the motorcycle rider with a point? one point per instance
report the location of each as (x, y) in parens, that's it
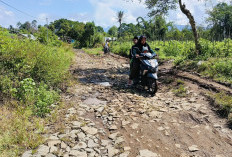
(107, 46)
(140, 47)
(135, 41)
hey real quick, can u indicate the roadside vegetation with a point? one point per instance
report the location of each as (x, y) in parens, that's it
(32, 77)
(223, 103)
(34, 72)
(215, 61)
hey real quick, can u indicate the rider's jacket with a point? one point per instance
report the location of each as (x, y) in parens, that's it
(139, 48)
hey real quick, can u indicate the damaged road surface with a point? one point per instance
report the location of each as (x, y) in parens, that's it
(108, 119)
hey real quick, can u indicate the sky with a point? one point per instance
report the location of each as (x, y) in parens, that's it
(102, 12)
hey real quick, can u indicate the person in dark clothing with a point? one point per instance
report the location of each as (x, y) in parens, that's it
(140, 47)
(135, 41)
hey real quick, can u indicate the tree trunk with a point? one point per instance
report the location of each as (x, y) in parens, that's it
(193, 25)
(120, 25)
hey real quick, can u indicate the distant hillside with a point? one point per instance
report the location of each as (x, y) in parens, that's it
(181, 27)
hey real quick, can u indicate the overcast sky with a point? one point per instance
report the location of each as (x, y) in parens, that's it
(102, 12)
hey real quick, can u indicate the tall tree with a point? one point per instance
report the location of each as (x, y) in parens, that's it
(163, 6)
(100, 29)
(11, 29)
(113, 31)
(34, 25)
(89, 31)
(120, 16)
(220, 21)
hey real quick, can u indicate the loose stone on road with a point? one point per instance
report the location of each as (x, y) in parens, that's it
(106, 119)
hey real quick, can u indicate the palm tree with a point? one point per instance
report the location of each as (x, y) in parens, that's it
(120, 16)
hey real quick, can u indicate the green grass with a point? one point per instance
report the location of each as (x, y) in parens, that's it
(19, 130)
(216, 56)
(218, 69)
(31, 79)
(93, 51)
(32, 72)
(223, 102)
(180, 90)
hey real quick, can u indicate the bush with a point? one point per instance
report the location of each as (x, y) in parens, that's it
(25, 64)
(122, 49)
(44, 99)
(46, 36)
(217, 68)
(216, 56)
(223, 102)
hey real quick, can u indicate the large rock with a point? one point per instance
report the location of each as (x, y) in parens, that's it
(50, 155)
(119, 140)
(63, 145)
(105, 142)
(27, 154)
(124, 123)
(53, 143)
(147, 153)
(113, 136)
(92, 144)
(94, 101)
(89, 130)
(53, 149)
(77, 153)
(193, 148)
(81, 135)
(76, 124)
(53, 137)
(125, 154)
(42, 150)
(80, 145)
(113, 127)
(155, 114)
(105, 84)
(112, 151)
(100, 109)
(135, 126)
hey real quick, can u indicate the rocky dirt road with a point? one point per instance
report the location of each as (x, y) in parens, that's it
(107, 119)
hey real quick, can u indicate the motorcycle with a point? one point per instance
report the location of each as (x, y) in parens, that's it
(148, 72)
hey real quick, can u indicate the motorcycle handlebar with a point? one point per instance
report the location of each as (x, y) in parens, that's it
(141, 57)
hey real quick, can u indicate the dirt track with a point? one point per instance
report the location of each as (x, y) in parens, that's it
(131, 123)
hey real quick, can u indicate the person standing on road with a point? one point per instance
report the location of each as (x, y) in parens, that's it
(107, 46)
(135, 41)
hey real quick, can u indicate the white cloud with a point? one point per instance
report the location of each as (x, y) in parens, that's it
(7, 17)
(41, 18)
(196, 7)
(105, 11)
(9, 13)
(83, 17)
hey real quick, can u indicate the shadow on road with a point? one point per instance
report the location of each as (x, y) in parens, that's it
(117, 77)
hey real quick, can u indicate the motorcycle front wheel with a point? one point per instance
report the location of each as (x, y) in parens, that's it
(152, 86)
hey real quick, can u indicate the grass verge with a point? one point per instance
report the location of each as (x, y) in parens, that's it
(223, 103)
(19, 130)
(180, 90)
(93, 51)
(31, 80)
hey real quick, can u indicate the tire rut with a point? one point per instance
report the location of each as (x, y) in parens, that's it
(117, 121)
